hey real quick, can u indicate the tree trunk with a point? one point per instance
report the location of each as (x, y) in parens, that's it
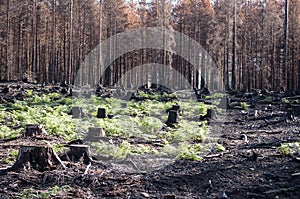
(233, 69)
(284, 67)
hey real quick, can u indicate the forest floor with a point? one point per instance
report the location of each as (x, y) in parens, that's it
(251, 168)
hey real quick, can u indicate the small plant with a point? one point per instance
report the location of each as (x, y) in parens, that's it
(143, 95)
(51, 192)
(184, 151)
(245, 105)
(189, 131)
(218, 95)
(8, 133)
(29, 92)
(121, 151)
(54, 95)
(220, 147)
(290, 148)
(12, 155)
(284, 100)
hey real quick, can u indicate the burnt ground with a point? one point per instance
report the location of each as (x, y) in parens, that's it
(252, 169)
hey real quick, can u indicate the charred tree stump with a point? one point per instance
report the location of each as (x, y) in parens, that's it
(210, 114)
(172, 118)
(95, 133)
(124, 105)
(34, 129)
(77, 112)
(79, 152)
(224, 103)
(296, 110)
(101, 113)
(177, 108)
(40, 158)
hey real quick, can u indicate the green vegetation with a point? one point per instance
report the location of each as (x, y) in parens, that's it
(245, 105)
(143, 120)
(156, 96)
(122, 151)
(12, 156)
(185, 151)
(51, 192)
(290, 148)
(284, 100)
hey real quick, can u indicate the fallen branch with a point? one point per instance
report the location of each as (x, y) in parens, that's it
(276, 191)
(87, 168)
(217, 155)
(261, 131)
(296, 174)
(262, 145)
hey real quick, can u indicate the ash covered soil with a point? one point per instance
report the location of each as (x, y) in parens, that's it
(252, 166)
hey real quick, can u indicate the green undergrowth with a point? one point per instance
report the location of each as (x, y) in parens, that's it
(156, 96)
(47, 193)
(132, 120)
(290, 148)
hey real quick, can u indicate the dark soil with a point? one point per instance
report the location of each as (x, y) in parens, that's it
(253, 169)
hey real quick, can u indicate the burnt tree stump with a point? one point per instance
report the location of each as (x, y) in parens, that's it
(224, 103)
(101, 113)
(124, 105)
(172, 118)
(296, 110)
(34, 129)
(79, 152)
(77, 112)
(210, 114)
(175, 107)
(95, 133)
(40, 158)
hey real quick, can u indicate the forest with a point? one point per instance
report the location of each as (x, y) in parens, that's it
(150, 99)
(254, 43)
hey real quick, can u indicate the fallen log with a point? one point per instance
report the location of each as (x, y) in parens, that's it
(261, 131)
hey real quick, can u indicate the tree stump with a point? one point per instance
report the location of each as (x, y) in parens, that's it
(79, 152)
(224, 103)
(77, 112)
(95, 133)
(101, 113)
(296, 110)
(172, 118)
(34, 129)
(40, 158)
(124, 105)
(210, 114)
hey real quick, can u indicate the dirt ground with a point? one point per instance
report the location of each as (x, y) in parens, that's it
(250, 167)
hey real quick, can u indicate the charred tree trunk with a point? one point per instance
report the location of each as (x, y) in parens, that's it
(284, 67)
